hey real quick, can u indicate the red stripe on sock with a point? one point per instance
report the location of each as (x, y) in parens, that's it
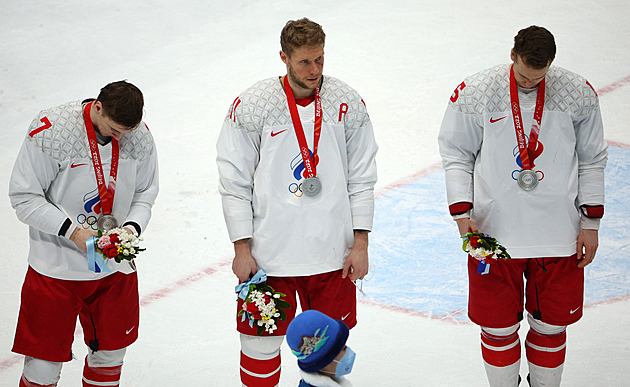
(262, 367)
(255, 381)
(100, 374)
(551, 351)
(27, 383)
(502, 355)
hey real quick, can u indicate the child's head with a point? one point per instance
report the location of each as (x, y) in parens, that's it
(317, 340)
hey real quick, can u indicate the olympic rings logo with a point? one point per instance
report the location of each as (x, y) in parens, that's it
(296, 189)
(87, 222)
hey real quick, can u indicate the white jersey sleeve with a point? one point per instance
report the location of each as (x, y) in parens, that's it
(138, 146)
(32, 175)
(361, 149)
(238, 154)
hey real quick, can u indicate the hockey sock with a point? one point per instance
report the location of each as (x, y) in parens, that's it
(94, 376)
(545, 356)
(40, 373)
(26, 383)
(260, 373)
(260, 360)
(501, 351)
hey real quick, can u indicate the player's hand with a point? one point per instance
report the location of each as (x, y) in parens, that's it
(587, 244)
(243, 265)
(357, 264)
(79, 236)
(465, 225)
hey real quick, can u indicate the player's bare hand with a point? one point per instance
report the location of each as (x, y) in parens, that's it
(465, 225)
(243, 265)
(357, 263)
(79, 236)
(587, 244)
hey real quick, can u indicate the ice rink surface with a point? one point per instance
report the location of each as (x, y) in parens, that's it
(192, 58)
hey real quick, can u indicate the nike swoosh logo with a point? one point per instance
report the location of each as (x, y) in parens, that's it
(129, 331)
(77, 165)
(574, 310)
(277, 133)
(492, 120)
(345, 317)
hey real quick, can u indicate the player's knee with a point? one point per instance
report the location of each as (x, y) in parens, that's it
(543, 328)
(257, 347)
(106, 358)
(42, 372)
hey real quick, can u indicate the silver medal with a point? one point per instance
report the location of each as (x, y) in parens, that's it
(106, 223)
(311, 186)
(527, 179)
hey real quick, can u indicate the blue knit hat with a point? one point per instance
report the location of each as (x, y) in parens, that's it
(316, 339)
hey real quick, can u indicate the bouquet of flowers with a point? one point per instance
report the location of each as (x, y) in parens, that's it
(484, 248)
(118, 244)
(261, 304)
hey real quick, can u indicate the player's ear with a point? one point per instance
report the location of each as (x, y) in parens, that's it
(512, 56)
(284, 57)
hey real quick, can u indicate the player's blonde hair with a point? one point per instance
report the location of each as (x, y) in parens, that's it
(302, 32)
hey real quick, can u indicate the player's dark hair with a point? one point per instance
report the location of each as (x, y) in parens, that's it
(123, 103)
(536, 46)
(302, 32)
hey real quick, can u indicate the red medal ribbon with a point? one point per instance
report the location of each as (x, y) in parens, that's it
(527, 149)
(105, 193)
(310, 163)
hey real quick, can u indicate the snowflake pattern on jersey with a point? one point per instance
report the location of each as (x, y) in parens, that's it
(66, 139)
(489, 92)
(265, 105)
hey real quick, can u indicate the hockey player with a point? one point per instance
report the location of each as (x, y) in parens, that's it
(297, 171)
(58, 188)
(319, 342)
(540, 192)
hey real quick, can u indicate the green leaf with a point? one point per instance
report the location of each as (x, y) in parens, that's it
(283, 304)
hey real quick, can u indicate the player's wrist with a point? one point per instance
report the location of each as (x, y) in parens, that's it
(71, 233)
(463, 215)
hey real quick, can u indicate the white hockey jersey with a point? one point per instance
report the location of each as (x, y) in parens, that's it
(53, 179)
(261, 172)
(481, 158)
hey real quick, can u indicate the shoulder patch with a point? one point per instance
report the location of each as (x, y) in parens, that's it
(485, 91)
(137, 144)
(569, 93)
(263, 104)
(342, 102)
(59, 132)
